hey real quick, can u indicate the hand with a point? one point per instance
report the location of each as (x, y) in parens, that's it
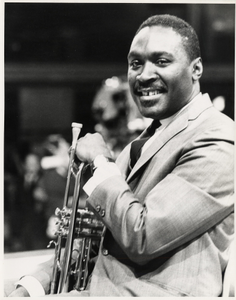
(91, 145)
(19, 292)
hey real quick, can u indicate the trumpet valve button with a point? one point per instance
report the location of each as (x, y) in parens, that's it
(57, 212)
(98, 208)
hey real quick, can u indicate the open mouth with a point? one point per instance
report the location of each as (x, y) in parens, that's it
(149, 93)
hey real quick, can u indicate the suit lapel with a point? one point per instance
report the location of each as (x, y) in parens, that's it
(179, 123)
(170, 131)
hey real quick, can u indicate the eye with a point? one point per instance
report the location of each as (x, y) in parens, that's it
(162, 62)
(134, 64)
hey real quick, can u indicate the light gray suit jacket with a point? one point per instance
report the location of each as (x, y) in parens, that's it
(170, 222)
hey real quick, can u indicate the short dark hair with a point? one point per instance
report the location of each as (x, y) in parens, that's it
(189, 37)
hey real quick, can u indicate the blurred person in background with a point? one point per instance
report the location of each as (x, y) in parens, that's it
(118, 118)
(23, 214)
(51, 186)
(13, 172)
(32, 235)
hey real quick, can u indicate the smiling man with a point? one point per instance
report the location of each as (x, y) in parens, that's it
(169, 214)
(163, 76)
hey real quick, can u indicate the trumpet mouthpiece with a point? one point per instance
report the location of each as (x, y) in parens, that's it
(76, 128)
(76, 125)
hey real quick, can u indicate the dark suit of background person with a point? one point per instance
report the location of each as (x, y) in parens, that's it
(170, 219)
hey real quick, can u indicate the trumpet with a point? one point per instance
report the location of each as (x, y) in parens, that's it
(76, 226)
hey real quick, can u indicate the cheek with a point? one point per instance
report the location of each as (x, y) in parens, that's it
(131, 82)
(180, 81)
(130, 77)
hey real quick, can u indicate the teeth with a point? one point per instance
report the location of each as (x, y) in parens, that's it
(150, 93)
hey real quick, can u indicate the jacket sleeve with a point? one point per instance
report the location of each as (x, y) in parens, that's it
(191, 199)
(43, 274)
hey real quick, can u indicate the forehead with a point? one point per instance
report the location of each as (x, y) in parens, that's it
(157, 38)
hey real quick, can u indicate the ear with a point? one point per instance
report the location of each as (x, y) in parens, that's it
(197, 69)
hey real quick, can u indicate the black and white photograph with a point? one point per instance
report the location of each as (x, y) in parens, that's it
(118, 149)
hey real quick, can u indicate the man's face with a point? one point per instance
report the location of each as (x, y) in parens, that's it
(159, 72)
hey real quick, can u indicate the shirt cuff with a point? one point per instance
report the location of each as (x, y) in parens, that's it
(32, 285)
(106, 170)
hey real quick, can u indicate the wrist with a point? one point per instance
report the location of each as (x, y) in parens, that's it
(31, 286)
(20, 291)
(100, 160)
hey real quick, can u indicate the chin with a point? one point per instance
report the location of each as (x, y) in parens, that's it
(150, 115)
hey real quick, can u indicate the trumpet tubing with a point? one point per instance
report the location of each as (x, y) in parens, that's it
(76, 226)
(86, 225)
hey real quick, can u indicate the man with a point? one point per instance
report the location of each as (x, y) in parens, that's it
(169, 216)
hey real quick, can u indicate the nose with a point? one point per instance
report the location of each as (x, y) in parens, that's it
(148, 73)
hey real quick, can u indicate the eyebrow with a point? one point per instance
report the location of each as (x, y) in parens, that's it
(157, 53)
(132, 53)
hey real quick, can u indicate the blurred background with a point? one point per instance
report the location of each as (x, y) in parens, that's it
(66, 63)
